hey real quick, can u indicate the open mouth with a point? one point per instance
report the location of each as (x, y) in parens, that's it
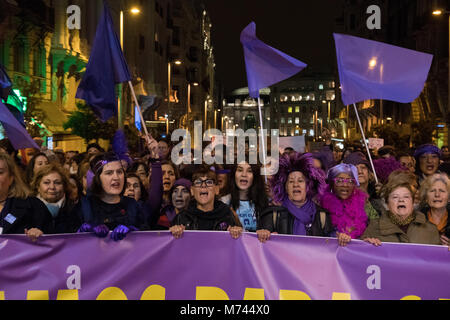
(243, 182)
(430, 168)
(401, 207)
(204, 194)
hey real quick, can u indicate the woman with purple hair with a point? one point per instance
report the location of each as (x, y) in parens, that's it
(345, 202)
(296, 187)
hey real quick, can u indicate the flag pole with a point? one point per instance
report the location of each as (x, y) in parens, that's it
(365, 143)
(139, 108)
(262, 134)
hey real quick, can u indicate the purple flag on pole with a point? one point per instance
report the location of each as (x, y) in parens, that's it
(265, 65)
(106, 68)
(17, 134)
(374, 70)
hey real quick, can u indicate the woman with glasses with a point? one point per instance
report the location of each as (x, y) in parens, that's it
(345, 202)
(400, 223)
(206, 212)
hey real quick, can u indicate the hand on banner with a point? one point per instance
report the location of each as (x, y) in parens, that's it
(85, 227)
(121, 231)
(376, 242)
(343, 239)
(263, 235)
(445, 241)
(101, 231)
(177, 231)
(33, 234)
(235, 232)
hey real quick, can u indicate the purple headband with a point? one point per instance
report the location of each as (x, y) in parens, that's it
(343, 168)
(99, 165)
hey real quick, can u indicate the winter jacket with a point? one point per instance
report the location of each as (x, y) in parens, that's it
(419, 231)
(280, 220)
(20, 214)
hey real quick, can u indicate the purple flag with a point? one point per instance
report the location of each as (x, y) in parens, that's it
(106, 68)
(17, 134)
(265, 65)
(374, 70)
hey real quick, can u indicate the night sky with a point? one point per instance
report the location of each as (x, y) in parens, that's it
(300, 28)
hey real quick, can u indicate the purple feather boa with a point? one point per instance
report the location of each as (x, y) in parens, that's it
(298, 162)
(348, 216)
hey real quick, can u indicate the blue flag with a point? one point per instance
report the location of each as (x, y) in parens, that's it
(374, 70)
(17, 134)
(106, 68)
(265, 65)
(137, 119)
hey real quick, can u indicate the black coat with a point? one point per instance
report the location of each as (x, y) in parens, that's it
(217, 220)
(20, 214)
(280, 220)
(67, 221)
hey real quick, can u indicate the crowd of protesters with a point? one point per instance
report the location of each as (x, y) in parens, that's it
(327, 193)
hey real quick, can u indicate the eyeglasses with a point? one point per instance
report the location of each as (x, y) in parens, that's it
(208, 183)
(343, 181)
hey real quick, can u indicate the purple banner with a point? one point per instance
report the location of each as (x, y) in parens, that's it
(211, 265)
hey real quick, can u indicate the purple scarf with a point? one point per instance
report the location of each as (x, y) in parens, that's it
(303, 216)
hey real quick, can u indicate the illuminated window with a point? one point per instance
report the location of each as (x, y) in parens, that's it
(297, 120)
(290, 109)
(289, 120)
(297, 109)
(283, 98)
(282, 121)
(320, 86)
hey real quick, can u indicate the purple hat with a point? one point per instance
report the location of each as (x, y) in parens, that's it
(427, 148)
(343, 168)
(356, 158)
(184, 183)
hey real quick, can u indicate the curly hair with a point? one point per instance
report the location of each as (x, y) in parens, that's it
(298, 162)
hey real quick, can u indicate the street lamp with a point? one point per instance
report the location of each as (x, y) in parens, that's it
(169, 77)
(134, 11)
(439, 12)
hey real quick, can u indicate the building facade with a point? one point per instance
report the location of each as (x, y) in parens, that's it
(305, 104)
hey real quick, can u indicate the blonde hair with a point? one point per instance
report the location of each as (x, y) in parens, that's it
(18, 188)
(46, 170)
(428, 183)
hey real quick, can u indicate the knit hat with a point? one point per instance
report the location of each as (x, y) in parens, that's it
(427, 148)
(356, 158)
(184, 183)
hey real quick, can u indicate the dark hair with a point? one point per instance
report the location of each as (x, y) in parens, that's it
(29, 172)
(204, 171)
(97, 164)
(144, 194)
(256, 193)
(175, 168)
(135, 166)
